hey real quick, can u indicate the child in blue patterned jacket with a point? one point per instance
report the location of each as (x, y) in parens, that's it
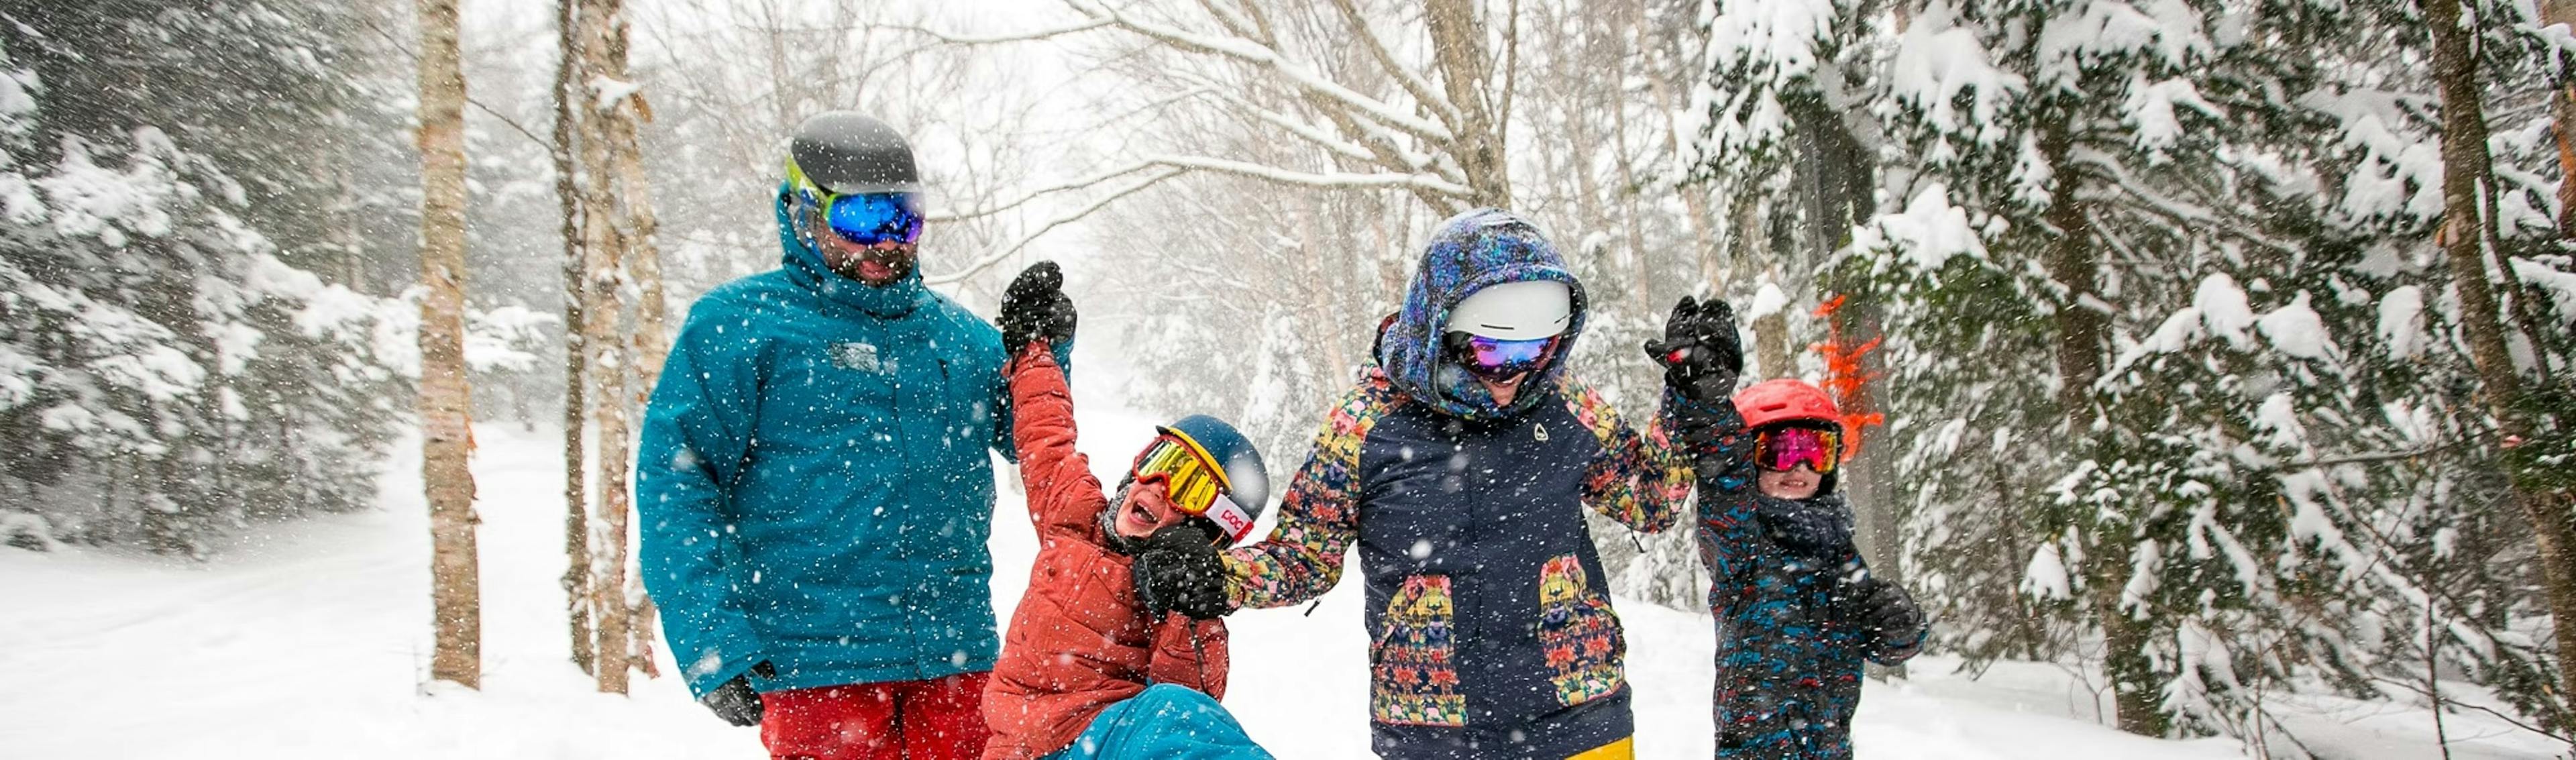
(1797, 609)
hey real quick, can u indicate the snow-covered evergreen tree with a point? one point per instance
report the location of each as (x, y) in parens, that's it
(165, 373)
(2169, 354)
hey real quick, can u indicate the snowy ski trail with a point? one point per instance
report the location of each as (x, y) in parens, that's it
(309, 639)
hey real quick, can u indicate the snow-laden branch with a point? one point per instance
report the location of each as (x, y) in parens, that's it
(2176, 210)
(1098, 16)
(1234, 22)
(1378, 145)
(1024, 198)
(1387, 149)
(1085, 25)
(1303, 76)
(1389, 144)
(1311, 133)
(1412, 80)
(1338, 180)
(1004, 253)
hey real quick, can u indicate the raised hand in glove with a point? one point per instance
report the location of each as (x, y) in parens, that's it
(1178, 570)
(1884, 612)
(1036, 308)
(735, 702)
(1700, 351)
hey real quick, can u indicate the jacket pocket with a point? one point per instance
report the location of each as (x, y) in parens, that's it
(1578, 634)
(1413, 672)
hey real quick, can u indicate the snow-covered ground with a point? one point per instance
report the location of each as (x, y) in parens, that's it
(310, 639)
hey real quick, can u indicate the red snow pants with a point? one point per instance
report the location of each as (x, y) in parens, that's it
(938, 719)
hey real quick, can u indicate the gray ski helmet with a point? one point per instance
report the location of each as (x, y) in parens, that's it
(845, 152)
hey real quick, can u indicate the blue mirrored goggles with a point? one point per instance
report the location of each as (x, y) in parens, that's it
(1497, 358)
(865, 218)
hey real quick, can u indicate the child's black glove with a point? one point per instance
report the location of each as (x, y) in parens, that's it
(1885, 612)
(1178, 570)
(1700, 351)
(1036, 308)
(1702, 358)
(735, 702)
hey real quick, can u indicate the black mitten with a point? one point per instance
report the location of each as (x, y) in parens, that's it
(1036, 308)
(1702, 358)
(1178, 570)
(1884, 612)
(1700, 351)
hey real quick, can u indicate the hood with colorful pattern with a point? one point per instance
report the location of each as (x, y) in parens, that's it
(1470, 252)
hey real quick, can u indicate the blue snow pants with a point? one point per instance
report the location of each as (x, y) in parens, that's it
(1164, 721)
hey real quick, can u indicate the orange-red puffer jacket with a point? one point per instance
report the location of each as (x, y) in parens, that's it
(1079, 641)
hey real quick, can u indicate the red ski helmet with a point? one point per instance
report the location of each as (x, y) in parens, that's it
(1771, 402)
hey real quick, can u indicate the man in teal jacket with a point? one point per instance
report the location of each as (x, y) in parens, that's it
(813, 485)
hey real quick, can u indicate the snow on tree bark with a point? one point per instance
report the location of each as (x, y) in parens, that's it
(604, 248)
(621, 110)
(566, 134)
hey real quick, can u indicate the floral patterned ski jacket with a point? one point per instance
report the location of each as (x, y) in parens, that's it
(1491, 634)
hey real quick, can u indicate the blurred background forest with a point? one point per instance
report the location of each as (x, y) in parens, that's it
(2216, 347)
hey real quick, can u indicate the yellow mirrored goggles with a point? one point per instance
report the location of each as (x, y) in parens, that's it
(1193, 481)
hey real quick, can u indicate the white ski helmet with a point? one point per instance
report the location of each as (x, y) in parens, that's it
(1522, 310)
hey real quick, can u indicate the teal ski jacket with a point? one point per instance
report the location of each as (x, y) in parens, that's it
(812, 487)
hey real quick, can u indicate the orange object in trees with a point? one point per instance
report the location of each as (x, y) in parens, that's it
(1844, 377)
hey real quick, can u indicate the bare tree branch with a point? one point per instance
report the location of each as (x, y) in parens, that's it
(2517, 723)
(2369, 458)
(1178, 165)
(1005, 252)
(2118, 176)
(1233, 22)
(398, 44)
(1411, 80)
(1391, 152)
(1088, 24)
(1035, 194)
(1261, 23)
(1319, 137)
(1252, 52)
(1343, 180)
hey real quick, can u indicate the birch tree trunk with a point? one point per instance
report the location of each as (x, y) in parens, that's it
(445, 403)
(2466, 231)
(621, 122)
(603, 316)
(576, 577)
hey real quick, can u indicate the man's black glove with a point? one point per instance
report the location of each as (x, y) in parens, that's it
(1700, 351)
(735, 702)
(1178, 570)
(1036, 308)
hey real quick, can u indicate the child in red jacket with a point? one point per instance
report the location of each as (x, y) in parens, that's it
(1087, 668)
